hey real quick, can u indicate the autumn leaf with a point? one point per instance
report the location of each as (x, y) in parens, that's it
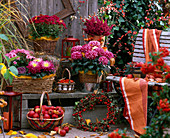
(11, 132)
(87, 121)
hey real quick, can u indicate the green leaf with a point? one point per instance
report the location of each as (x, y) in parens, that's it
(90, 67)
(6, 75)
(14, 70)
(10, 78)
(11, 59)
(121, 19)
(1, 67)
(3, 37)
(0, 58)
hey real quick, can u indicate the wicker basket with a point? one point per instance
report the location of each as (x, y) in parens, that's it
(47, 46)
(45, 124)
(65, 87)
(89, 77)
(28, 85)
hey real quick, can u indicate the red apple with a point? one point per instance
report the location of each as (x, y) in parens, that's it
(58, 108)
(66, 128)
(36, 115)
(52, 107)
(50, 111)
(45, 112)
(37, 110)
(31, 113)
(36, 107)
(60, 112)
(47, 107)
(56, 129)
(54, 116)
(46, 116)
(44, 107)
(62, 132)
(129, 76)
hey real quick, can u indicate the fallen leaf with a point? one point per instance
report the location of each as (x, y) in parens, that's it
(77, 137)
(87, 121)
(22, 132)
(92, 135)
(0, 131)
(41, 136)
(30, 135)
(11, 132)
(101, 134)
(52, 133)
(97, 137)
(46, 133)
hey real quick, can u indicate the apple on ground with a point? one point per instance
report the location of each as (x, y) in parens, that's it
(62, 132)
(66, 128)
(56, 129)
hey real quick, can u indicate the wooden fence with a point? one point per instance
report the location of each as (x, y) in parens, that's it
(51, 7)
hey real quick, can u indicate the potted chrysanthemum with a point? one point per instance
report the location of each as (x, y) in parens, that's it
(34, 74)
(90, 61)
(45, 30)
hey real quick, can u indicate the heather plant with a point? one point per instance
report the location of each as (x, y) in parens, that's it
(128, 17)
(90, 57)
(96, 26)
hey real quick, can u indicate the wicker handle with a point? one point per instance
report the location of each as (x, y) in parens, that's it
(69, 74)
(41, 102)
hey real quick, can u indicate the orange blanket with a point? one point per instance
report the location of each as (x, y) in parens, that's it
(150, 41)
(135, 97)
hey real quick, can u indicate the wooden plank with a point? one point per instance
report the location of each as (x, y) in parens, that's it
(50, 7)
(139, 50)
(43, 7)
(138, 55)
(167, 33)
(160, 41)
(161, 37)
(93, 5)
(136, 59)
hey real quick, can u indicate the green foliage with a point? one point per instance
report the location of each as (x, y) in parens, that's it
(128, 17)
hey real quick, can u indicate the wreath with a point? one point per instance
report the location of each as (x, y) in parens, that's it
(88, 103)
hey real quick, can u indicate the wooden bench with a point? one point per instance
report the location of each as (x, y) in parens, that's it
(139, 55)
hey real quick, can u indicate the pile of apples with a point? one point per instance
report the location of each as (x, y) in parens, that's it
(61, 130)
(49, 112)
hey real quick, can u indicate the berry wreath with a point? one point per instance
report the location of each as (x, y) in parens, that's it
(88, 103)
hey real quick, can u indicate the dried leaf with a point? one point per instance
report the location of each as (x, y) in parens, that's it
(95, 91)
(97, 137)
(87, 121)
(46, 133)
(101, 134)
(0, 130)
(30, 135)
(97, 121)
(22, 132)
(41, 136)
(11, 132)
(77, 137)
(52, 133)
(92, 135)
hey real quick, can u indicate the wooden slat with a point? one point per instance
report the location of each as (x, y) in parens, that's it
(135, 59)
(138, 55)
(160, 41)
(163, 33)
(138, 51)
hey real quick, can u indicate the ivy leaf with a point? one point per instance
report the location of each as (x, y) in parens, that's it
(3, 37)
(14, 70)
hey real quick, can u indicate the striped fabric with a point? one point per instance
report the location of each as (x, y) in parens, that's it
(150, 40)
(135, 97)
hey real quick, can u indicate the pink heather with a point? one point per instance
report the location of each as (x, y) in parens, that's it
(76, 55)
(91, 54)
(94, 43)
(86, 48)
(11, 55)
(108, 54)
(76, 48)
(103, 60)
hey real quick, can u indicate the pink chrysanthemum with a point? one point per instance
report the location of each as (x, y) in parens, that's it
(76, 48)
(29, 57)
(94, 43)
(86, 48)
(11, 55)
(47, 66)
(76, 55)
(38, 59)
(91, 54)
(34, 67)
(100, 51)
(103, 60)
(108, 54)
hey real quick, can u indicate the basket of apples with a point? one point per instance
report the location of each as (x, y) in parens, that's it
(44, 117)
(65, 85)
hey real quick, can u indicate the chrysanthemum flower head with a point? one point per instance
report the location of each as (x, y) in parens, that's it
(103, 60)
(47, 66)
(91, 54)
(76, 55)
(76, 48)
(34, 67)
(86, 48)
(108, 54)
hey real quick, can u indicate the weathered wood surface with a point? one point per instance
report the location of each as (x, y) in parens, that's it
(51, 7)
(139, 55)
